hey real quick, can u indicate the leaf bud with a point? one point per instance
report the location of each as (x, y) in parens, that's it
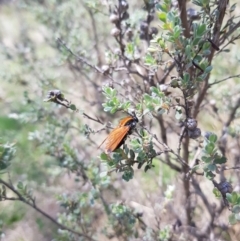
(195, 133)
(191, 124)
(115, 32)
(114, 18)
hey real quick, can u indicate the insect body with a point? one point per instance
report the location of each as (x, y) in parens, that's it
(118, 135)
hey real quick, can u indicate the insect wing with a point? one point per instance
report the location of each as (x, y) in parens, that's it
(102, 142)
(115, 138)
(125, 120)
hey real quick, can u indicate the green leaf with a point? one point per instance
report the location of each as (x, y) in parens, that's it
(209, 175)
(162, 16)
(3, 165)
(220, 160)
(155, 91)
(146, 168)
(237, 216)
(20, 185)
(186, 77)
(196, 41)
(195, 168)
(234, 198)
(206, 159)
(209, 148)
(188, 51)
(232, 219)
(161, 42)
(217, 193)
(229, 197)
(164, 7)
(178, 113)
(130, 48)
(149, 60)
(211, 167)
(117, 156)
(126, 105)
(233, 7)
(140, 165)
(236, 209)
(176, 32)
(208, 69)
(73, 107)
(128, 174)
(113, 110)
(126, 149)
(104, 156)
(206, 52)
(201, 30)
(197, 2)
(212, 138)
(132, 154)
(147, 98)
(151, 49)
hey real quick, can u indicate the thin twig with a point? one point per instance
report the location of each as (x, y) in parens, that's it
(231, 168)
(227, 78)
(83, 60)
(93, 20)
(33, 205)
(233, 112)
(180, 140)
(231, 30)
(222, 5)
(91, 118)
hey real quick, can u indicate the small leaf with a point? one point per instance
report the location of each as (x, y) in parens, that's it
(217, 193)
(220, 160)
(232, 8)
(201, 30)
(232, 219)
(132, 154)
(162, 16)
(229, 197)
(149, 60)
(164, 7)
(73, 107)
(212, 138)
(212, 167)
(178, 114)
(209, 148)
(237, 216)
(206, 159)
(113, 110)
(186, 77)
(20, 185)
(236, 209)
(128, 174)
(226, 50)
(104, 156)
(195, 168)
(209, 175)
(147, 98)
(3, 191)
(151, 49)
(234, 198)
(196, 40)
(103, 174)
(208, 69)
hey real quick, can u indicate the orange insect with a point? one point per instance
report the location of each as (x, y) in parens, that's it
(119, 134)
